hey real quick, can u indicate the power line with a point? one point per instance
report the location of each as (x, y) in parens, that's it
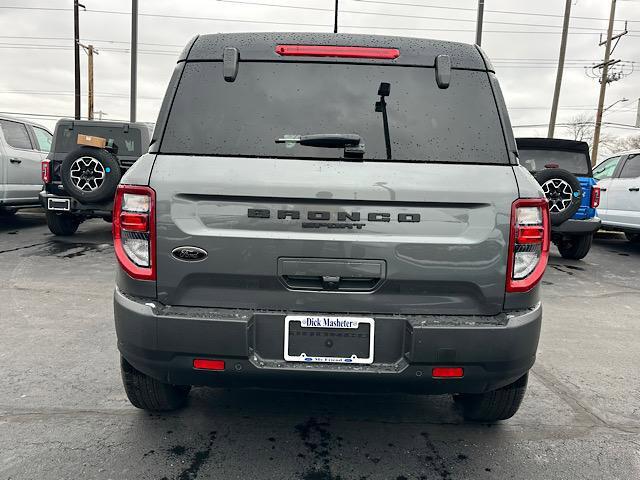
(268, 22)
(63, 93)
(506, 12)
(412, 16)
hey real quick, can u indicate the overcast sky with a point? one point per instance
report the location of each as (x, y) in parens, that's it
(36, 55)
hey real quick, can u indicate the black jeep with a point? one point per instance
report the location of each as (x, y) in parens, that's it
(80, 180)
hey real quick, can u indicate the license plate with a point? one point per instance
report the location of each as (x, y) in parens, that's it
(59, 204)
(328, 339)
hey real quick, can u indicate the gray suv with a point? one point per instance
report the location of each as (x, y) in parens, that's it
(330, 212)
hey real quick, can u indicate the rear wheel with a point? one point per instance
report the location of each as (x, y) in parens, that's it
(633, 237)
(147, 393)
(62, 224)
(575, 247)
(495, 405)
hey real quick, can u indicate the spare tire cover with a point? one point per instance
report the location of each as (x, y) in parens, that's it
(90, 174)
(563, 191)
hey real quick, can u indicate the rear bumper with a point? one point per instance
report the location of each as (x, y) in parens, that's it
(578, 227)
(77, 208)
(163, 341)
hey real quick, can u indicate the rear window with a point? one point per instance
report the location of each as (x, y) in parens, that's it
(535, 160)
(129, 143)
(271, 100)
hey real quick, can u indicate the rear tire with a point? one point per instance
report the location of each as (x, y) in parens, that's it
(147, 393)
(495, 405)
(633, 237)
(575, 247)
(62, 224)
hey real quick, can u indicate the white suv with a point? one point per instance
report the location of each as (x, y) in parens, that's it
(619, 181)
(23, 146)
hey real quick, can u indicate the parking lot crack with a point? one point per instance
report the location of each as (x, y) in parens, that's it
(23, 247)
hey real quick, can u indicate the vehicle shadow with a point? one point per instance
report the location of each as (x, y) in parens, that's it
(616, 242)
(317, 436)
(22, 219)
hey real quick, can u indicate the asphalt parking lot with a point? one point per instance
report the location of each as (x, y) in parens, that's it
(63, 413)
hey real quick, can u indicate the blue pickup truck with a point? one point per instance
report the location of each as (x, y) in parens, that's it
(563, 168)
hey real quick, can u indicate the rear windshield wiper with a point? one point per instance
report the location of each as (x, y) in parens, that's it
(351, 142)
(325, 140)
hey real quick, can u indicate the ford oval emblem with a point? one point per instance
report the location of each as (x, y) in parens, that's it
(189, 254)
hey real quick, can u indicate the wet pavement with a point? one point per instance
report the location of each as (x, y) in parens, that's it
(63, 413)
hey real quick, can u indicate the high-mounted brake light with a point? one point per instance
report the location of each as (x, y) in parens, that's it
(595, 196)
(134, 231)
(343, 52)
(46, 171)
(528, 244)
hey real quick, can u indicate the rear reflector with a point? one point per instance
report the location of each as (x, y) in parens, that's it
(206, 364)
(447, 372)
(343, 52)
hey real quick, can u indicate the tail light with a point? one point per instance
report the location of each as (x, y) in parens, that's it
(331, 51)
(528, 244)
(46, 171)
(595, 196)
(134, 231)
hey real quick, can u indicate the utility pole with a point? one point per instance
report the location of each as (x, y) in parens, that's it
(90, 94)
(638, 115)
(76, 56)
(134, 59)
(563, 50)
(479, 22)
(335, 20)
(603, 84)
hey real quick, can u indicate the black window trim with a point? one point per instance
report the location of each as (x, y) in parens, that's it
(26, 126)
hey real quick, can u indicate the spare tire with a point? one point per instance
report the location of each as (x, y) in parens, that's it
(563, 191)
(90, 174)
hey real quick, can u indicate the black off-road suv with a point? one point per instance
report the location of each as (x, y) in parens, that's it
(79, 180)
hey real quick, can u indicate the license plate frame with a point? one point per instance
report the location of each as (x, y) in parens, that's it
(326, 322)
(64, 204)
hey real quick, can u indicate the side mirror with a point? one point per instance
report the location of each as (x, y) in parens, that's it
(443, 71)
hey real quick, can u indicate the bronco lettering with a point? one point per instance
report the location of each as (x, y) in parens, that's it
(324, 216)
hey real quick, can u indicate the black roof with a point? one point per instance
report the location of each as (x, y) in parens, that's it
(100, 123)
(261, 46)
(553, 144)
(541, 143)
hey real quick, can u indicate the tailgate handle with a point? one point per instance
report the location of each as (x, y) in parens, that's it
(331, 274)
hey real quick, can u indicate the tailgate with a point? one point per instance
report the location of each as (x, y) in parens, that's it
(333, 236)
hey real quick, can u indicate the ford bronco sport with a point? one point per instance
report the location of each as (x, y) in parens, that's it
(330, 212)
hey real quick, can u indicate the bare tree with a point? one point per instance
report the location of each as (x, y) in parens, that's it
(581, 128)
(620, 144)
